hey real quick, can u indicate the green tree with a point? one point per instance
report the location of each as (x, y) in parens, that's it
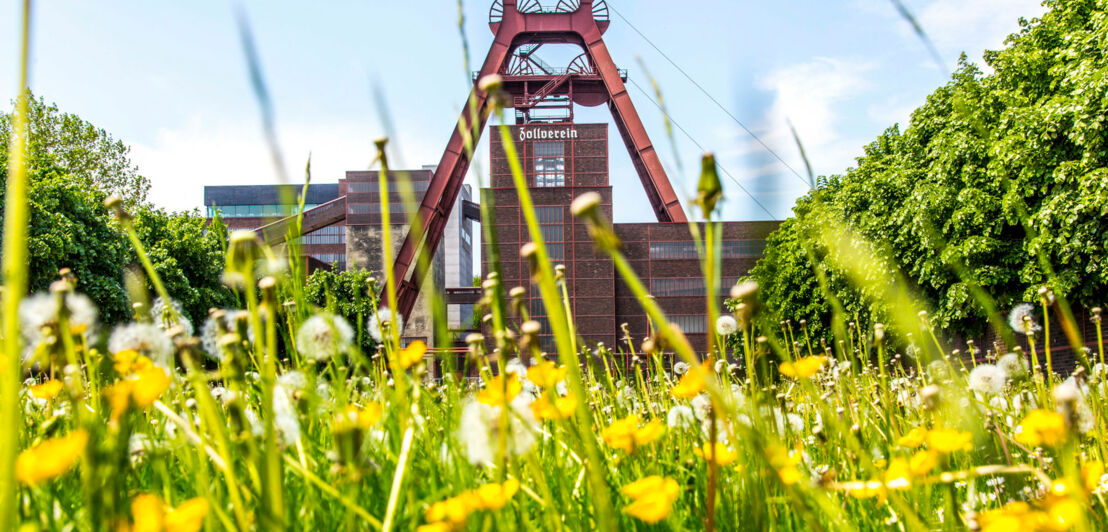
(993, 172)
(188, 257)
(73, 167)
(73, 146)
(351, 294)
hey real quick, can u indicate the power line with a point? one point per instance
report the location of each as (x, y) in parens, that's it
(710, 97)
(701, 148)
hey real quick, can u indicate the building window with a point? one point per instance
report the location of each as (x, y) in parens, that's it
(550, 164)
(334, 234)
(690, 324)
(686, 249)
(553, 231)
(687, 286)
(256, 211)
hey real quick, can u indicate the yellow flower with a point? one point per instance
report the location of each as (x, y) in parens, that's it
(188, 516)
(1042, 427)
(949, 440)
(412, 354)
(547, 374)
(1063, 514)
(560, 408)
(148, 385)
(898, 475)
(721, 455)
(1091, 473)
(913, 439)
(149, 513)
(47, 390)
(129, 361)
(1014, 517)
(802, 368)
(140, 389)
(626, 434)
(50, 458)
(785, 463)
(495, 496)
(499, 392)
(923, 462)
(653, 498)
(441, 526)
(369, 415)
(691, 383)
(452, 511)
(873, 488)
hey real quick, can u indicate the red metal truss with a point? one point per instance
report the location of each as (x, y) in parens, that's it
(518, 23)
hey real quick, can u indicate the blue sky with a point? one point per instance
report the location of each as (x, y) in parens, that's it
(170, 79)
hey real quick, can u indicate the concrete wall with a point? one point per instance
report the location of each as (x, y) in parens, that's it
(363, 249)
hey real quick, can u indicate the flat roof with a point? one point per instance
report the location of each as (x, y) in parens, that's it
(224, 195)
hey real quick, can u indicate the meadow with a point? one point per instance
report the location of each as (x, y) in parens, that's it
(270, 415)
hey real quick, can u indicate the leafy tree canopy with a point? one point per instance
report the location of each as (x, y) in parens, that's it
(999, 182)
(73, 166)
(85, 152)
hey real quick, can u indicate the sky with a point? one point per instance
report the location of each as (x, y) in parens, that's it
(171, 80)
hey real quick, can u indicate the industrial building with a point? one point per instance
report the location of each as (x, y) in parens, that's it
(562, 159)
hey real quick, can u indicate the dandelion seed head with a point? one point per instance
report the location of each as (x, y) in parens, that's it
(1013, 365)
(41, 309)
(1020, 317)
(726, 325)
(145, 338)
(680, 417)
(323, 336)
(479, 429)
(158, 311)
(211, 332)
(381, 321)
(680, 368)
(987, 379)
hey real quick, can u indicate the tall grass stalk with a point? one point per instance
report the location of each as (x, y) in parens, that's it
(16, 213)
(559, 322)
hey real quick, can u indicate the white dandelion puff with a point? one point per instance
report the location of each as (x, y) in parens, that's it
(987, 379)
(680, 368)
(323, 336)
(159, 311)
(701, 406)
(145, 338)
(211, 332)
(382, 321)
(1014, 365)
(41, 309)
(479, 430)
(1020, 318)
(285, 417)
(680, 417)
(726, 325)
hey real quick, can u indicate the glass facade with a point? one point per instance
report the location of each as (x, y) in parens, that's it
(732, 249)
(553, 231)
(550, 164)
(255, 211)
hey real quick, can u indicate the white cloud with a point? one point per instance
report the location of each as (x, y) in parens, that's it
(972, 26)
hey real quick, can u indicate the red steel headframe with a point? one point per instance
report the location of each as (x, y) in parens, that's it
(513, 30)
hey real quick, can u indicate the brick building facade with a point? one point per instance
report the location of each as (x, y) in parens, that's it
(563, 161)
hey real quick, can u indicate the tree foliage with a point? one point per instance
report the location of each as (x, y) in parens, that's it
(86, 153)
(73, 166)
(999, 182)
(351, 294)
